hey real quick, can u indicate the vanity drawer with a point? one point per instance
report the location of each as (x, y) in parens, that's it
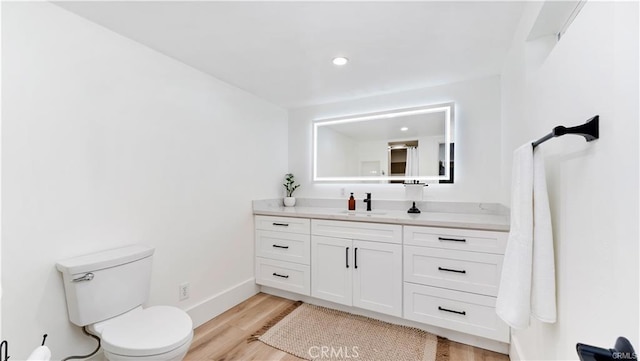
(282, 246)
(458, 270)
(389, 233)
(286, 276)
(283, 224)
(460, 239)
(460, 311)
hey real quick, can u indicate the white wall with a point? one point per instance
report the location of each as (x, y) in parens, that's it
(477, 134)
(593, 187)
(1, 179)
(105, 143)
(373, 151)
(428, 154)
(337, 154)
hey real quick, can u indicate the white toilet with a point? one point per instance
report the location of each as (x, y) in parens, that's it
(105, 291)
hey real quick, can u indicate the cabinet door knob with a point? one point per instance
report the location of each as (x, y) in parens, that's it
(279, 275)
(281, 224)
(278, 246)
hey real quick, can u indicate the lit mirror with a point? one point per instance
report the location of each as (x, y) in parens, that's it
(398, 146)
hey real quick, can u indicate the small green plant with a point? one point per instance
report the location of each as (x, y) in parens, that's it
(289, 184)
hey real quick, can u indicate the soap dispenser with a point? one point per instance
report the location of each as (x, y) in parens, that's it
(352, 203)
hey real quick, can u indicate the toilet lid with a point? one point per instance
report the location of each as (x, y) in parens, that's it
(154, 330)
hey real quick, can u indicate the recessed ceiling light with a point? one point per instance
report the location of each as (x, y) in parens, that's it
(340, 60)
(404, 129)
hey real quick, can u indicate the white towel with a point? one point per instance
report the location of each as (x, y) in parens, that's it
(543, 280)
(527, 285)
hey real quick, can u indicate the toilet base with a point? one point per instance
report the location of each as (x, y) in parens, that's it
(174, 355)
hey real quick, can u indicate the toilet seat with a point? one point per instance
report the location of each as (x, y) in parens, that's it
(151, 331)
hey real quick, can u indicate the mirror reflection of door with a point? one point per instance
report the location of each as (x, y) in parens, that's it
(398, 158)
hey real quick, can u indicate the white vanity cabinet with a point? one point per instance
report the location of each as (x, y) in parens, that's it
(283, 253)
(357, 264)
(451, 279)
(443, 277)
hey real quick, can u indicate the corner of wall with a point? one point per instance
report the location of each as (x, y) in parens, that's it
(514, 349)
(0, 177)
(222, 301)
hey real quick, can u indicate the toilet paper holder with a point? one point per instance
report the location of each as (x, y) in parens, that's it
(623, 350)
(4, 348)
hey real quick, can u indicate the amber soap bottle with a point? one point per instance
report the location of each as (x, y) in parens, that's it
(352, 203)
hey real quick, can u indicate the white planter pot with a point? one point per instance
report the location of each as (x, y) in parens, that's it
(289, 201)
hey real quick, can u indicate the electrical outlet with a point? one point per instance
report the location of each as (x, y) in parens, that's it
(343, 192)
(183, 291)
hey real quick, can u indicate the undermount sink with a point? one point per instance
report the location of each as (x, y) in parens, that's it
(363, 213)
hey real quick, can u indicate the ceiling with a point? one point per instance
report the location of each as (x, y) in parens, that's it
(282, 51)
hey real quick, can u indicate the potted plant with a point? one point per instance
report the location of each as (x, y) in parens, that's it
(290, 186)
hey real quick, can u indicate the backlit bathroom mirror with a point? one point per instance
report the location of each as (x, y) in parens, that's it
(397, 146)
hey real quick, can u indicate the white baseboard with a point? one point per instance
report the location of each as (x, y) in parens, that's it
(467, 339)
(222, 301)
(515, 352)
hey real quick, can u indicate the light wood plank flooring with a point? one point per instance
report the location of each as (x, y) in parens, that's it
(224, 338)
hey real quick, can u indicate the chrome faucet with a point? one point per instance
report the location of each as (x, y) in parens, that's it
(368, 201)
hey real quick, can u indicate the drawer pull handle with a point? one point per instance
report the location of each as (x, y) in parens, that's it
(347, 256)
(452, 270)
(452, 311)
(279, 246)
(452, 239)
(278, 275)
(281, 224)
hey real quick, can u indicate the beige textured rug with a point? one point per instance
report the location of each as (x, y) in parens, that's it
(318, 333)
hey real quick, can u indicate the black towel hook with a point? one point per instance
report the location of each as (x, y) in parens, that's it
(589, 130)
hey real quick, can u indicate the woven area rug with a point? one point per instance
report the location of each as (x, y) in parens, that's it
(318, 333)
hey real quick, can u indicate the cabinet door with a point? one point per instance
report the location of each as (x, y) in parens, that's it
(331, 265)
(377, 280)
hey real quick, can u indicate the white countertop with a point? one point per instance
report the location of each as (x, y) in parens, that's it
(488, 221)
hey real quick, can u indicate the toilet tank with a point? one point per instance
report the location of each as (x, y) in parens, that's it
(105, 284)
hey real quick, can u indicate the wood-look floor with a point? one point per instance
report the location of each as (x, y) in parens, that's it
(224, 338)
